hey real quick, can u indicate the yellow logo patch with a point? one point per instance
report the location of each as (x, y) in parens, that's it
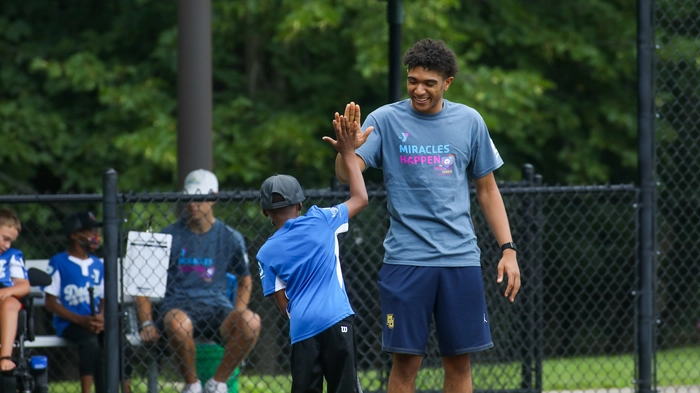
(390, 321)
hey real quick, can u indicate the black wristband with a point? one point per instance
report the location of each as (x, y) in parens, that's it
(508, 245)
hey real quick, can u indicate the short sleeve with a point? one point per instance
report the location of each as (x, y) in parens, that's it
(239, 263)
(17, 269)
(269, 281)
(55, 287)
(484, 155)
(100, 289)
(337, 217)
(371, 150)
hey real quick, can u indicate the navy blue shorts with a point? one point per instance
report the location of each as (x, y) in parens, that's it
(206, 321)
(412, 295)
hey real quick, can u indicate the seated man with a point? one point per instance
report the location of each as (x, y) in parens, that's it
(195, 303)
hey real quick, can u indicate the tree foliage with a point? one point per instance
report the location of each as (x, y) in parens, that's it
(86, 86)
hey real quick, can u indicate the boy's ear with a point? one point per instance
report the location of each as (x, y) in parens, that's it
(265, 213)
(299, 207)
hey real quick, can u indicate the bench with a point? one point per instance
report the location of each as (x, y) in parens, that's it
(133, 338)
(38, 295)
(53, 341)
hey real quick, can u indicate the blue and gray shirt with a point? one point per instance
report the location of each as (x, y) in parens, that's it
(198, 265)
(426, 161)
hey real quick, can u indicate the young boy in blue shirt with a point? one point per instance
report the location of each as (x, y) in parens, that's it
(76, 293)
(299, 264)
(14, 284)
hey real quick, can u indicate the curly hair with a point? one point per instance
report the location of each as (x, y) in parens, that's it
(432, 55)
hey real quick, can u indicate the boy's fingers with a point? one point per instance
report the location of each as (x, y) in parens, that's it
(346, 125)
(337, 126)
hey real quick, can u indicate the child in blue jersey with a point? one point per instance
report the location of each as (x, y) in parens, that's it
(75, 296)
(13, 285)
(300, 266)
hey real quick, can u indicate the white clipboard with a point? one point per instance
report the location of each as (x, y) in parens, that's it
(146, 264)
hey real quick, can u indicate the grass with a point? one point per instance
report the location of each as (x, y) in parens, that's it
(675, 367)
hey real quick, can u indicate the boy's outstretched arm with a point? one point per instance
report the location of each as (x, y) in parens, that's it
(345, 145)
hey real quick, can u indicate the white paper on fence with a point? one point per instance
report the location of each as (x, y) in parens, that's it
(146, 264)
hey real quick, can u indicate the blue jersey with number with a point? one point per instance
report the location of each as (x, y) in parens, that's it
(302, 258)
(11, 266)
(71, 277)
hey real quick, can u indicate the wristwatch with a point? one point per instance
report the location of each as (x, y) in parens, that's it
(508, 245)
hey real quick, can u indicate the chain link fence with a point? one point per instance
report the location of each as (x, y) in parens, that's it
(677, 80)
(574, 325)
(571, 327)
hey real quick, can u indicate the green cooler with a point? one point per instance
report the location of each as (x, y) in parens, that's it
(208, 358)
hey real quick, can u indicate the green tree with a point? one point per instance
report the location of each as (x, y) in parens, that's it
(90, 87)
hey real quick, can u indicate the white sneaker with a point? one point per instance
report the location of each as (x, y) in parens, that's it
(213, 386)
(193, 387)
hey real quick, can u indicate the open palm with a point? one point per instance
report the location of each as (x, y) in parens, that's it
(352, 113)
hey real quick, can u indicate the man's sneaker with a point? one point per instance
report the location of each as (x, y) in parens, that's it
(213, 386)
(193, 387)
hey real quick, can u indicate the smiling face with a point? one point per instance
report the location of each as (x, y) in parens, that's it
(8, 234)
(425, 89)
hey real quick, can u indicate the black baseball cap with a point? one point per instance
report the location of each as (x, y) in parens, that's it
(79, 221)
(287, 186)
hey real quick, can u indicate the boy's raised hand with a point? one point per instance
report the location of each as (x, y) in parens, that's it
(345, 132)
(352, 112)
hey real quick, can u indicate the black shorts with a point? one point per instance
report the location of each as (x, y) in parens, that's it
(330, 354)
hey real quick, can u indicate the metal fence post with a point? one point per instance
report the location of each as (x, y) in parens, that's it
(525, 257)
(111, 233)
(646, 165)
(537, 286)
(395, 19)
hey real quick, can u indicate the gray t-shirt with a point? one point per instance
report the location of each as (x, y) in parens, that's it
(425, 160)
(198, 265)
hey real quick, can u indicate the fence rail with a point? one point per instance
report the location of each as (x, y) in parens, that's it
(576, 323)
(576, 308)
